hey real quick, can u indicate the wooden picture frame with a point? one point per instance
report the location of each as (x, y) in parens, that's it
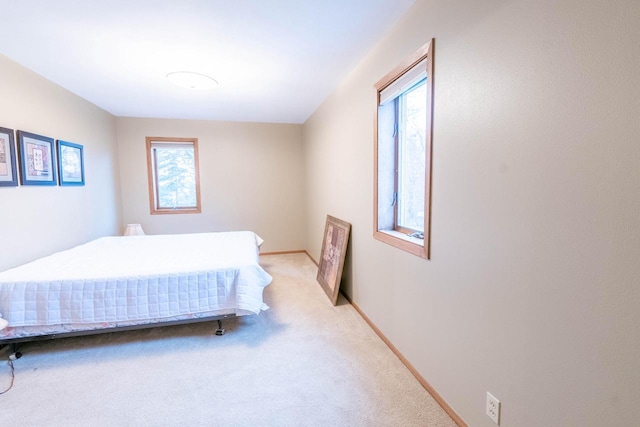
(334, 250)
(8, 165)
(37, 159)
(70, 163)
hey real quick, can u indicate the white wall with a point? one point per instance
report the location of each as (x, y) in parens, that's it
(251, 178)
(36, 221)
(532, 292)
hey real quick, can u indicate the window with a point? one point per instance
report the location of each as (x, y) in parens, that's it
(402, 170)
(174, 182)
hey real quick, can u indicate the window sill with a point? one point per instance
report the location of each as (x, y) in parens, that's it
(175, 211)
(401, 241)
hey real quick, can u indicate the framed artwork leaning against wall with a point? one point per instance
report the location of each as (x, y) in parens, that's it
(334, 250)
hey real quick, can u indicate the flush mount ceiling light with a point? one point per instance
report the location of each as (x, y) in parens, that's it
(192, 80)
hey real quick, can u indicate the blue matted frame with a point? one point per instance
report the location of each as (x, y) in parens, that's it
(70, 163)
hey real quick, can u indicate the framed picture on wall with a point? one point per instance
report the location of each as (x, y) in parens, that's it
(70, 163)
(8, 165)
(37, 159)
(334, 250)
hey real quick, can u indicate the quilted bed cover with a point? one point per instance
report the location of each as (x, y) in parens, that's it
(135, 279)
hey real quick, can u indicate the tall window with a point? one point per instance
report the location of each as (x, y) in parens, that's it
(174, 182)
(403, 154)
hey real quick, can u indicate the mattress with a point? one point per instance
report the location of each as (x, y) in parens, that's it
(117, 281)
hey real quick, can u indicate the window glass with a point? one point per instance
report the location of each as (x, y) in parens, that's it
(176, 177)
(412, 120)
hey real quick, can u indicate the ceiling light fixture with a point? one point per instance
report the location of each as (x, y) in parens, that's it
(191, 80)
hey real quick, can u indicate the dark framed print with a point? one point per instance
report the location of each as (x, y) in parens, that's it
(334, 250)
(8, 165)
(37, 159)
(70, 163)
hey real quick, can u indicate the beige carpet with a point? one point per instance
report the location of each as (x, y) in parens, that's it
(302, 363)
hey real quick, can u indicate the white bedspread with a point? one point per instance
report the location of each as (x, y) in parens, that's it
(137, 278)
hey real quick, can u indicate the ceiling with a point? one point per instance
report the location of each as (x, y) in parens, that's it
(274, 60)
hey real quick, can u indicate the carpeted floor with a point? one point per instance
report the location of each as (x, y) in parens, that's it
(301, 363)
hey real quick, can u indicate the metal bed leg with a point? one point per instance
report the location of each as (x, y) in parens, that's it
(220, 330)
(15, 354)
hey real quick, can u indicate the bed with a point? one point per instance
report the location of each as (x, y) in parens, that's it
(130, 282)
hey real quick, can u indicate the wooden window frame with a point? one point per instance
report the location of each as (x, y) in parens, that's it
(152, 176)
(398, 237)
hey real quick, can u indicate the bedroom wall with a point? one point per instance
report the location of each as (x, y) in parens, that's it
(532, 290)
(251, 178)
(37, 221)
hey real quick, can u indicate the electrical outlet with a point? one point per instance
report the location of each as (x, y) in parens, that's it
(493, 408)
